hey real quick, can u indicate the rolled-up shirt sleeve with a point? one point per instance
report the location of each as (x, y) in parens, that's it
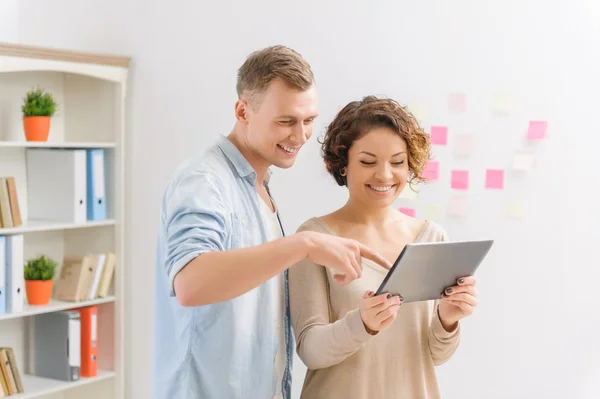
(195, 221)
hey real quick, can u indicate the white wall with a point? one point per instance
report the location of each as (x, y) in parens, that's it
(534, 333)
(9, 20)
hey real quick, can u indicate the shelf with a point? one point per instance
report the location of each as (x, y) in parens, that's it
(35, 226)
(38, 386)
(47, 144)
(54, 306)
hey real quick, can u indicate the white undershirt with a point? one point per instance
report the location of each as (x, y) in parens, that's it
(276, 284)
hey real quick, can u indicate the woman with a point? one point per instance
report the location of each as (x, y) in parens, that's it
(355, 344)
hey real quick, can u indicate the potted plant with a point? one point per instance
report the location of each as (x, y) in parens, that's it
(38, 279)
(38, 107)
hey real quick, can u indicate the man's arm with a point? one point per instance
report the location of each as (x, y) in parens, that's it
(219, 276)
(201, 271)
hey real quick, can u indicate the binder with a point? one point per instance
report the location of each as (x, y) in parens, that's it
(2, 274)
(57, 343)
(96, 193)
(57, 184)
(15, 281)
(89, 341)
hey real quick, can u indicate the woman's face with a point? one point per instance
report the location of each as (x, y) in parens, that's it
(377, 168)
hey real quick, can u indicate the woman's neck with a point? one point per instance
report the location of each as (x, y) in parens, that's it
(359, 213)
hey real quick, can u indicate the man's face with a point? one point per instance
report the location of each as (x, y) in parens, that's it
(281, 122)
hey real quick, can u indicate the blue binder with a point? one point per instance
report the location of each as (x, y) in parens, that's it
(2, 274)
(96, 185)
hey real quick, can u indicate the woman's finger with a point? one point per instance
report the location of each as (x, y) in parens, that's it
(457, 289)
(465, 307)
(386, 313)
(463, 297)
(466, 280)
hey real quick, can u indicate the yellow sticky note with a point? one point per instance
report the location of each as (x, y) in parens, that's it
(408, 193)
(523, 160)
(514, 208)
(502, 104)
(418, 110)
(432, 212)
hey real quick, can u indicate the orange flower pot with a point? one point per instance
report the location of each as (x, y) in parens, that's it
(36, 128)
(38, 291)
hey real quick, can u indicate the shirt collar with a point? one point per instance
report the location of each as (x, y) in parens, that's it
(240, 163)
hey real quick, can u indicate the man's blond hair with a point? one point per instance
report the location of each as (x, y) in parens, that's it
(275, 62)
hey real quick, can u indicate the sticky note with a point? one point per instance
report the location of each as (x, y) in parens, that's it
(460, 179)
(464, 145)
(494, 178)
(432, 171)
(457, 103)
(408, 211)
(409, 193)
(513, 208)
(418, 110)
(432, 212)
(502, 104)
(523, 160)
(537, 130)
(439, 135)
(459, 206)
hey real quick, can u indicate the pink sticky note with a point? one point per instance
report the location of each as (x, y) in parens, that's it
(494, 178)
(459, 205)
(439, 135)
(537, 130)
(460, 179)
(457, 102)
(465, 145)
(408, 211)
(432, 171)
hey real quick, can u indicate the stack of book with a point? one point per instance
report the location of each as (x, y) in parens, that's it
(10, 378)
(85, 277)
(10, 213)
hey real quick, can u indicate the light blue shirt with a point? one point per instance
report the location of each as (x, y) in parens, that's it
(225, 350)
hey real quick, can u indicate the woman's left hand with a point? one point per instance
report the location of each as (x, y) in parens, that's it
(458, 302)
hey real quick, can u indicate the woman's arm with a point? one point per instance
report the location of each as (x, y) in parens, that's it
(321, 343)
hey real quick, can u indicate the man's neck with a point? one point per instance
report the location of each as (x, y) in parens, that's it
(257, 162)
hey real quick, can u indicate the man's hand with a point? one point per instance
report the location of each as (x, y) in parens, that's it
(341, 254)
(458, 302)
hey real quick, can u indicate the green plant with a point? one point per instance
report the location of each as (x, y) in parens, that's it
(40, 268)
(38, 103)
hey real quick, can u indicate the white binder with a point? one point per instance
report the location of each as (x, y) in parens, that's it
(15, 281)
(57, 184)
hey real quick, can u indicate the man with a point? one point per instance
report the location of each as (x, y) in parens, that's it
(222, 324)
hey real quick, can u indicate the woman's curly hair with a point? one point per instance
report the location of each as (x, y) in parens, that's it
(358, 118)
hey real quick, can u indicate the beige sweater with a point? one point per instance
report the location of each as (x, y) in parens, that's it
(343, 360)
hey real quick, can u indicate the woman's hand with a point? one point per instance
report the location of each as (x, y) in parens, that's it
(378, 312)
(458, 302)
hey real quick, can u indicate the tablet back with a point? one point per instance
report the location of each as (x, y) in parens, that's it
(424, 270)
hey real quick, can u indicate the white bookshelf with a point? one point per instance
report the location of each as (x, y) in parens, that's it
(90, 91)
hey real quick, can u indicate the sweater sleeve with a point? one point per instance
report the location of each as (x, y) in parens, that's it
(442, 343)
(321, 343)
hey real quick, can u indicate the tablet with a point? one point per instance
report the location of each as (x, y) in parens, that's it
(423, 271)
